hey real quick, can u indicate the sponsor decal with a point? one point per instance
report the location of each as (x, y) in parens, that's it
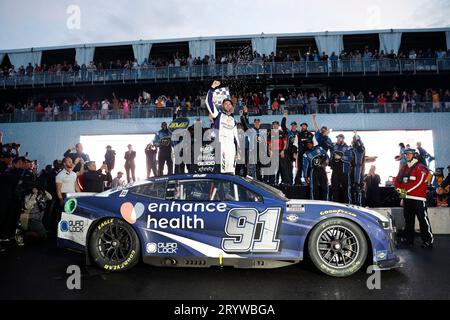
(381, 255)
(151, 247)
(123, 193)
(179, 123)
(131, 212)
(74, 228)
(337, 211)
(161, 247)
(292, 217)
(71, 226)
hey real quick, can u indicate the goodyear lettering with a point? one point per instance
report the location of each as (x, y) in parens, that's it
(337, 211)
(122, 265)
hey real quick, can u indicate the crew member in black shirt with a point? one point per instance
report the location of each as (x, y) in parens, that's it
(94, 180)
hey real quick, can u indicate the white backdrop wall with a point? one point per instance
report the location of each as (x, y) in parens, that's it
(46, 141)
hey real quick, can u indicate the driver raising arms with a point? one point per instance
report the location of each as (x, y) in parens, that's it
(225, 124)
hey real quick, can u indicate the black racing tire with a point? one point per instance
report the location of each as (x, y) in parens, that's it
(337, 247)
(114, 245)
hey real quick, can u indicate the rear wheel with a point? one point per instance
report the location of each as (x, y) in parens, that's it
(114, 245)
(337, 247)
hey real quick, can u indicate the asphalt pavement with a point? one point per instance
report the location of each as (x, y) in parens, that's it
(39, 272)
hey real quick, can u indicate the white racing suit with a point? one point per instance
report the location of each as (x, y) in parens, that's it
(227, 133)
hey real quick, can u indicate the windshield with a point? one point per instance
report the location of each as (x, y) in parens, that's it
(269, 189)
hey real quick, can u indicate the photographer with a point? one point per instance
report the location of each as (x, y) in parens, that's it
(94, 180)
(31, 224)
(150, 155)
(10, 148)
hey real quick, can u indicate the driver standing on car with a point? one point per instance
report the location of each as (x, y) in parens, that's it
(225, 124)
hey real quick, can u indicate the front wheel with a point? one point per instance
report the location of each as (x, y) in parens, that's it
(114, 245)
(337, 247)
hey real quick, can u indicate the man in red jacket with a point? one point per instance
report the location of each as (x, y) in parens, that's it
(411, 184)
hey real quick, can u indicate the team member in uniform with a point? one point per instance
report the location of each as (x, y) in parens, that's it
(276, 140)
(411, 183)
(341, 158)
(225, 125)
(315, 160)
(304, 136)
(291, 151)
(256, 142)
(358, 170)
(163, 140)
(321, 135)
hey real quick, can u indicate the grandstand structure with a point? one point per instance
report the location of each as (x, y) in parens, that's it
(356, 73)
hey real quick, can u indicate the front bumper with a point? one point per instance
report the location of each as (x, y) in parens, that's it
(389, 264)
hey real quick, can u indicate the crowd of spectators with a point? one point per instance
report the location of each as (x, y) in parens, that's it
(258, 103)
(243, 55)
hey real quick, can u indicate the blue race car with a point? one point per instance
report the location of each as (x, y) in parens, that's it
(222, 220)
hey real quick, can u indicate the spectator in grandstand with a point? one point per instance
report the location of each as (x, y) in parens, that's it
(446, 100)
(130, 165)
(105, 109)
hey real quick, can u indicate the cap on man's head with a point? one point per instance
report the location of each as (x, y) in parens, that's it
(410, 150)
(257, 120)
(275, 122)
(340, 136)
(324, 128)
(293, 123)
(303, 124)
(309, 141)
(439, 172)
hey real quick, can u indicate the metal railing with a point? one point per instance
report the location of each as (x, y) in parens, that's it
(221, 71)
(150, 111)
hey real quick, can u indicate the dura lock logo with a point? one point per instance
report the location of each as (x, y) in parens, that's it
(131, 213)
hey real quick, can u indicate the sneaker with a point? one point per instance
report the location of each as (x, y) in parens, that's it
(427, 245)
(19, 238)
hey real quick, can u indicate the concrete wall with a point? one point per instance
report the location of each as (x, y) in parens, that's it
(46, 141)
(439, 218)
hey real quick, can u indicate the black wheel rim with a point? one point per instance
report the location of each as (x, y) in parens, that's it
(338, 247)
(114, 243)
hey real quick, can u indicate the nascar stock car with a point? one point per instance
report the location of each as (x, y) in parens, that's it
(222, 220)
